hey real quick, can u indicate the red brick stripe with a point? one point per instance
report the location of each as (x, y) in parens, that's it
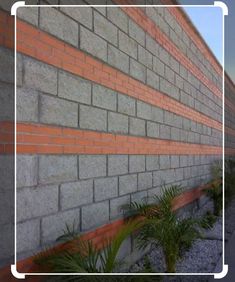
(43, 139)
(150, 27)
(46, 48)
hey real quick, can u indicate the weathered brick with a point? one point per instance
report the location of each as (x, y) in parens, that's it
(92, 118)
(54, 22)
(152, 129)
(92, 166)
(28, 235)
(105, 28)
(137, 70)
(54, 226)
(145, 180)
(75, 194)
(127, 184)
(119, 18)
(175, 161)
(152, 162)
(95, 215)
(144, 57)
(104, 98)
(27, 105)
(117, 123)
(137, 127)
(74, 88)
(57, 168)
(118, 59)
(40, 76)
(165, 131)
(144, 110)
(35, 202)
(82, 15)
(136, 32)
(105, 188)
(57, 111)
(117, 204)
(28, 14)
(117, 164)
(152, 79)
(126, 105)
(89, 42)
(136, 163)
(158, 66)
(127, 45)
(164, 162)
(27, 170)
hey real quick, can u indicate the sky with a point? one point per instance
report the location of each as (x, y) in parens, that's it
(209, 26)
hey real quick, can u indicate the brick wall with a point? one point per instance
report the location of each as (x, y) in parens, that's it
(111, 104)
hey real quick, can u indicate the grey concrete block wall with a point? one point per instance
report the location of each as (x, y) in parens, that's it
(91, 189)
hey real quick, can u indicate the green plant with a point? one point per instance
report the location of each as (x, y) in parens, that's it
(208, 220)
(162, 227)
(83, 256)
(229, 171)
(215, 193)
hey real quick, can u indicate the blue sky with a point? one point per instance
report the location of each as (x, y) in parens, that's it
(208, 21)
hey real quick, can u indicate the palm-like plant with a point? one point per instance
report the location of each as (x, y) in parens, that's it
(162, 227)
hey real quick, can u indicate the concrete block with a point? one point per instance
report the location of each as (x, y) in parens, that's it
(175, 161)
(127, 45)
(54, 226)
(89, 42)
(164, 56)
(118, 17)
(174, 64)
(175, 133)
(136, 32)
(169, 88)
(57, 168)
(117, 204)
(117, 164)
(27, 170)
(75, 194)
(187, 172)
(63, 27)
(95, 215)
(152, 129)
(151, 45)
(28, 236)
(152, 79)
(152, 162)
(105, 28)
(92, 166)
(40, 76)
(7, 65)
(145, 180)
(164, 162)
(79, 89)
(165, 131)
(126, 105)
(6, 206)
(167, 176)
(104, 98)
(82, 15)
(117, 123)
(144, 110)
(179, 174)
(27, 105)
(158, 66)
(183, 161)
(157, 114)
(118, 59)
(145, 57)
(57, 111)
(105, 188)
(137, 70)
(34, 202)
(190, 160)
(136, 163)
(28, 14)
(6, 172)
(92, 118)
(127, 184)
(169, 75)
(139, 197)
(137, 127)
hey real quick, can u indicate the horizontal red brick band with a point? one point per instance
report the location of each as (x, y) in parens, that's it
(43, 139)
(48, 49)
(100, 235)
(150, 27)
